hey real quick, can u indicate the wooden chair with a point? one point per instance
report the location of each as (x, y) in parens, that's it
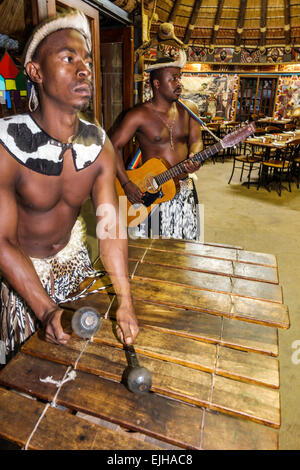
(277, 168)
(296, 162)
(290, 127)
(217, 118)
(213, 125)
(248, 161)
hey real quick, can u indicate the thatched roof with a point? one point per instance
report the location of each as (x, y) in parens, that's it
(208, 23)
(15, 22)
(229, 22)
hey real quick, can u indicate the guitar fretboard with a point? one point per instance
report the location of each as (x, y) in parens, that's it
(180, 167)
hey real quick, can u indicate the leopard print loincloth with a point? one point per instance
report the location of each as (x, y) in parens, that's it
(60, 276)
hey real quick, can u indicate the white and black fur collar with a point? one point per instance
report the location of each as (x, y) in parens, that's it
(31, 146)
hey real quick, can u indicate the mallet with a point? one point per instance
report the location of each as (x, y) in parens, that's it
(86, 321)
(137, 378)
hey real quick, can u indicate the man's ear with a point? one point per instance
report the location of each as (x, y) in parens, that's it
(156, 83)
(33, 72)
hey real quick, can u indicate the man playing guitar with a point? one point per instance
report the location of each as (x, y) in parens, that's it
(164, 129)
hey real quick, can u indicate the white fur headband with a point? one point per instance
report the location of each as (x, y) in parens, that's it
(168, 62)
(71, 20)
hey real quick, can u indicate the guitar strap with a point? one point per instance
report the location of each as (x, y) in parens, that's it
(135, 161)
(137, 157)
(198, 120)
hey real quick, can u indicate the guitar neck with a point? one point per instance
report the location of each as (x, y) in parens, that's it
(180, 168)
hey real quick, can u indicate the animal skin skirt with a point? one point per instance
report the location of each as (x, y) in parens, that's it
(178, 218)
(60, 276)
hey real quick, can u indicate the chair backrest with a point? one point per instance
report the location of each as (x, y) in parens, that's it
(260, 130)
(208, 139)
(290, 151)
(290, 127)
(258, 151)
(296, 147)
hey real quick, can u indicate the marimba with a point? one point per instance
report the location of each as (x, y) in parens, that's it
(208, 316)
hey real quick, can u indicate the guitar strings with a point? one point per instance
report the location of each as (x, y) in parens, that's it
(175, 170)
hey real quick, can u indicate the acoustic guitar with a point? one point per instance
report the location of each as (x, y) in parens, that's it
(159, 181)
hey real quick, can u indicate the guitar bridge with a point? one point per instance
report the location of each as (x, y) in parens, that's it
(149, 198)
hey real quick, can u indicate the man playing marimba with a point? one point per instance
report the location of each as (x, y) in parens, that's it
(51, 162)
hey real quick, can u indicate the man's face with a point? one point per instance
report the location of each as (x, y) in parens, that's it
(170, 83)
(65, 70)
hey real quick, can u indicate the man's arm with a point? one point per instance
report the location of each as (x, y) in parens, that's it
(195, 142)
(15, 265)
(113, 244)
(195, 135)
(119, 139)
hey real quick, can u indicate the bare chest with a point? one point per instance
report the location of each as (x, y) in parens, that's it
(162, 130)
(42, 193)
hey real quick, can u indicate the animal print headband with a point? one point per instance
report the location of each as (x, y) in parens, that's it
(73, 19)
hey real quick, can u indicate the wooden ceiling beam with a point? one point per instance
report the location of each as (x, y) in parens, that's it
(240, 22)
(263, 22)
(173, 12)
(217, 21)
(192, 22)
(287, 21)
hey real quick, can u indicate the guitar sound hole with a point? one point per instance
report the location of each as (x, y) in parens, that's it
(151, 184)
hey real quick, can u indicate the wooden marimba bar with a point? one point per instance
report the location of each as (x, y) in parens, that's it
(208, 318)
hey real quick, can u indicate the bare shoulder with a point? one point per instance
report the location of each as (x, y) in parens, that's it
(107, 151)
(191, 105)
(106, 162)
(139, 111)
(132, 122)
(9, 167)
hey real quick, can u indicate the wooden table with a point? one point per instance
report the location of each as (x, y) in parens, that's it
(208, 316)
(274, 122)
(278, 142)
(271, 144)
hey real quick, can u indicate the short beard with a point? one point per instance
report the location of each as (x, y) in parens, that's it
(82, 107)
